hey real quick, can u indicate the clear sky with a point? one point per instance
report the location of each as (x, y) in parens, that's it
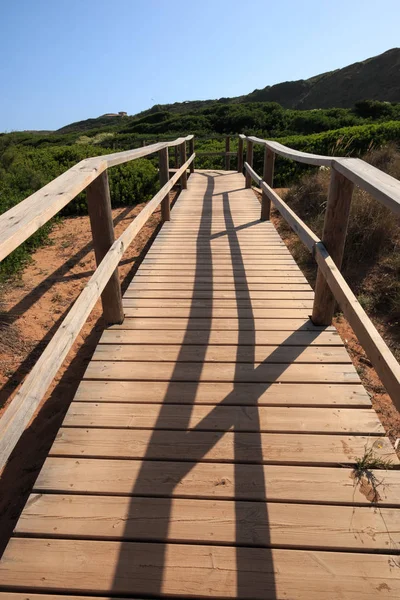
(66, 60)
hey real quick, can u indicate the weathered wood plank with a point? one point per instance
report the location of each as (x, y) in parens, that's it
(242, 394)
(145, 568)
(213, 324)
(259, 372)
(362, 529)
(215, 303)
(283, 483)
(217, 313)
(218, 353)
(215, 418)
(205, 446)
(247, 338)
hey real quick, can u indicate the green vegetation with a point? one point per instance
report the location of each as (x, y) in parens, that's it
(29, 160)
(24, 169)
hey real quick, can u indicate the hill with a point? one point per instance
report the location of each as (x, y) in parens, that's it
(376, 78)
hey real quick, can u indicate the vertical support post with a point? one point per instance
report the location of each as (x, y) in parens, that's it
(240, 155)
(183, 178)
(163, 163)
(191, 151)
(334, 238)
(227, 157)
(268, 177)
(176, 157)
(249, 160)
(101, 223)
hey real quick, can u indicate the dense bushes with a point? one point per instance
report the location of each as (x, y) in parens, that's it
(30, 160)
(24, 170)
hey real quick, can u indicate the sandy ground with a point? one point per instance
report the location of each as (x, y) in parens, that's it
(32, 309)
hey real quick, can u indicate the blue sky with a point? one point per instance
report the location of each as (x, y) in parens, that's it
(67, 60)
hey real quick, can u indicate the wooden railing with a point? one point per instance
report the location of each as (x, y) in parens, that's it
(25, 218)
(331, 287)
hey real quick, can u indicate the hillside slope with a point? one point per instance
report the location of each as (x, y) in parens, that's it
(377, 78)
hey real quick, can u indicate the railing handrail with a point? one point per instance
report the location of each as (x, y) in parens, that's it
(25, 402)
(328, 253)
(384, 187)
(26, 217)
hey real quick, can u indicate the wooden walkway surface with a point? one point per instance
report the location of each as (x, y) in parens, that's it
(210, 448)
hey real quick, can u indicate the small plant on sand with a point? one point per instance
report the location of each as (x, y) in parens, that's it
(364, 472)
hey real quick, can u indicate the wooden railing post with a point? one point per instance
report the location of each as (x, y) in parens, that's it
(249, 160)
(183, 160)
(268, 177)
(240, 155)
(191, 151)
(227, 150)
(163, 163)
(101, 223)
(334, 238)
(176, 157)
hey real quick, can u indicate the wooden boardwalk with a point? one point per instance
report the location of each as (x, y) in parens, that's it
(210, 448)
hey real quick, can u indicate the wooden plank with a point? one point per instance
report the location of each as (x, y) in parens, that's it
(87, 566)
(218, 353)
(221, 324)
(215, 286)
(215, 418)
(212, 303)
(211, 521)
(238, 372)
(243, 394)
(247, 338)
(217, 313)
(214, 446)
(286, 269)
(326, 485)
(229, 295)
(219, 279)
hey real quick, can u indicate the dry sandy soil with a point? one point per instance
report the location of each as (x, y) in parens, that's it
(31, 311)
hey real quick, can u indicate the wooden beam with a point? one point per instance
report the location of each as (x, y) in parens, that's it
(101, 223)
(268, 176)
(377, 351)
(182, 151)
(227, 155)
(191, 151)
(240, 154)
(163, 161)
(252, 173)
(334, 238)
(249, 160)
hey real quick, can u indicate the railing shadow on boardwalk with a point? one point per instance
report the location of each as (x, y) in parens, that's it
(250, 584)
